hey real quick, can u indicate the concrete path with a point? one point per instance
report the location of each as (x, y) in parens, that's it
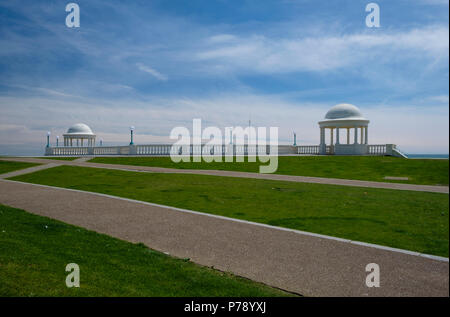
(298, 262)
(289, 178)
(83, 159)
(27, 170)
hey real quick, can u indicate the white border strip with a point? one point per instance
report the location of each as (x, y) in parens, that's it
(306, 233)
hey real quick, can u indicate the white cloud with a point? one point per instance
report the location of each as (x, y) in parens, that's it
(440, 98)
(413, 128)
(189, 50)
(274, 55)
(152, 72)
(222, 38)
(42, 90)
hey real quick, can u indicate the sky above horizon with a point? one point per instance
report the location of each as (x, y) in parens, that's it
(159, 64)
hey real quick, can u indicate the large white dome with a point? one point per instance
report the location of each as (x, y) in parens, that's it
(344, 111)
(80, 128)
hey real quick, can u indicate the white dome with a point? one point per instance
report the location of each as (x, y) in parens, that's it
(344, 111)
(79, 128)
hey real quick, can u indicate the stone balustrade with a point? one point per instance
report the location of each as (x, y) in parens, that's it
(308, 149)
(377, 149)
(230, 149)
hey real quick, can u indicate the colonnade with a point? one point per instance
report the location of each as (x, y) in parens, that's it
(363, 135)
(79, 141)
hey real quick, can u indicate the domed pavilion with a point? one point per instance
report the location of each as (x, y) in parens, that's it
(348, 118)
(79, 135)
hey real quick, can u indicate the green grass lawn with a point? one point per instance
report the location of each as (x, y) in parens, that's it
(417, 221)
(9, 166)
(372, 168)
(35, 250)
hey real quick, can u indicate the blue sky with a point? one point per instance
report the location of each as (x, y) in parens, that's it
(159, 64)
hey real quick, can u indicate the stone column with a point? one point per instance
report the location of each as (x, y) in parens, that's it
(322, 146)
(348, 135)
(337, 135)
(362, 136)
(331, 136)
(356, 135)
(366, 141)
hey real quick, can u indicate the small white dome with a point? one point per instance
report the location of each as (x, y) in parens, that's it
(79, 128)
(343, 111)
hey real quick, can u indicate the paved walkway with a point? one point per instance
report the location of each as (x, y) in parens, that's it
(27, 170)
(83, 159)
(299, 262)
(289, 178)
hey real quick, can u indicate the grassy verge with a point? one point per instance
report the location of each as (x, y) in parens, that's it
(9, 166)
(418, 171)
(35, 250)
(417, 221)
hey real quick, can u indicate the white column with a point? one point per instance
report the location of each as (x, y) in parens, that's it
(366, 141)
(348, 135)
(356, 135)
(331, 136)
(337, 135)
(322, 136)
(362, 136)
(322, 146)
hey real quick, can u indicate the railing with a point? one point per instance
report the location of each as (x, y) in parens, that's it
(160, 149)
(308, 149)
(62, 151)
(378, 149)
(154, 149)
(106, 150)
(229, 149)
(212, 149)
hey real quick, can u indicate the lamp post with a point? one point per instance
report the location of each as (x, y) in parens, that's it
(48, 139)
(131, 130)
(57, 140)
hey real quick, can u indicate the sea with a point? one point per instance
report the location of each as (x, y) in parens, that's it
(428, 156)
